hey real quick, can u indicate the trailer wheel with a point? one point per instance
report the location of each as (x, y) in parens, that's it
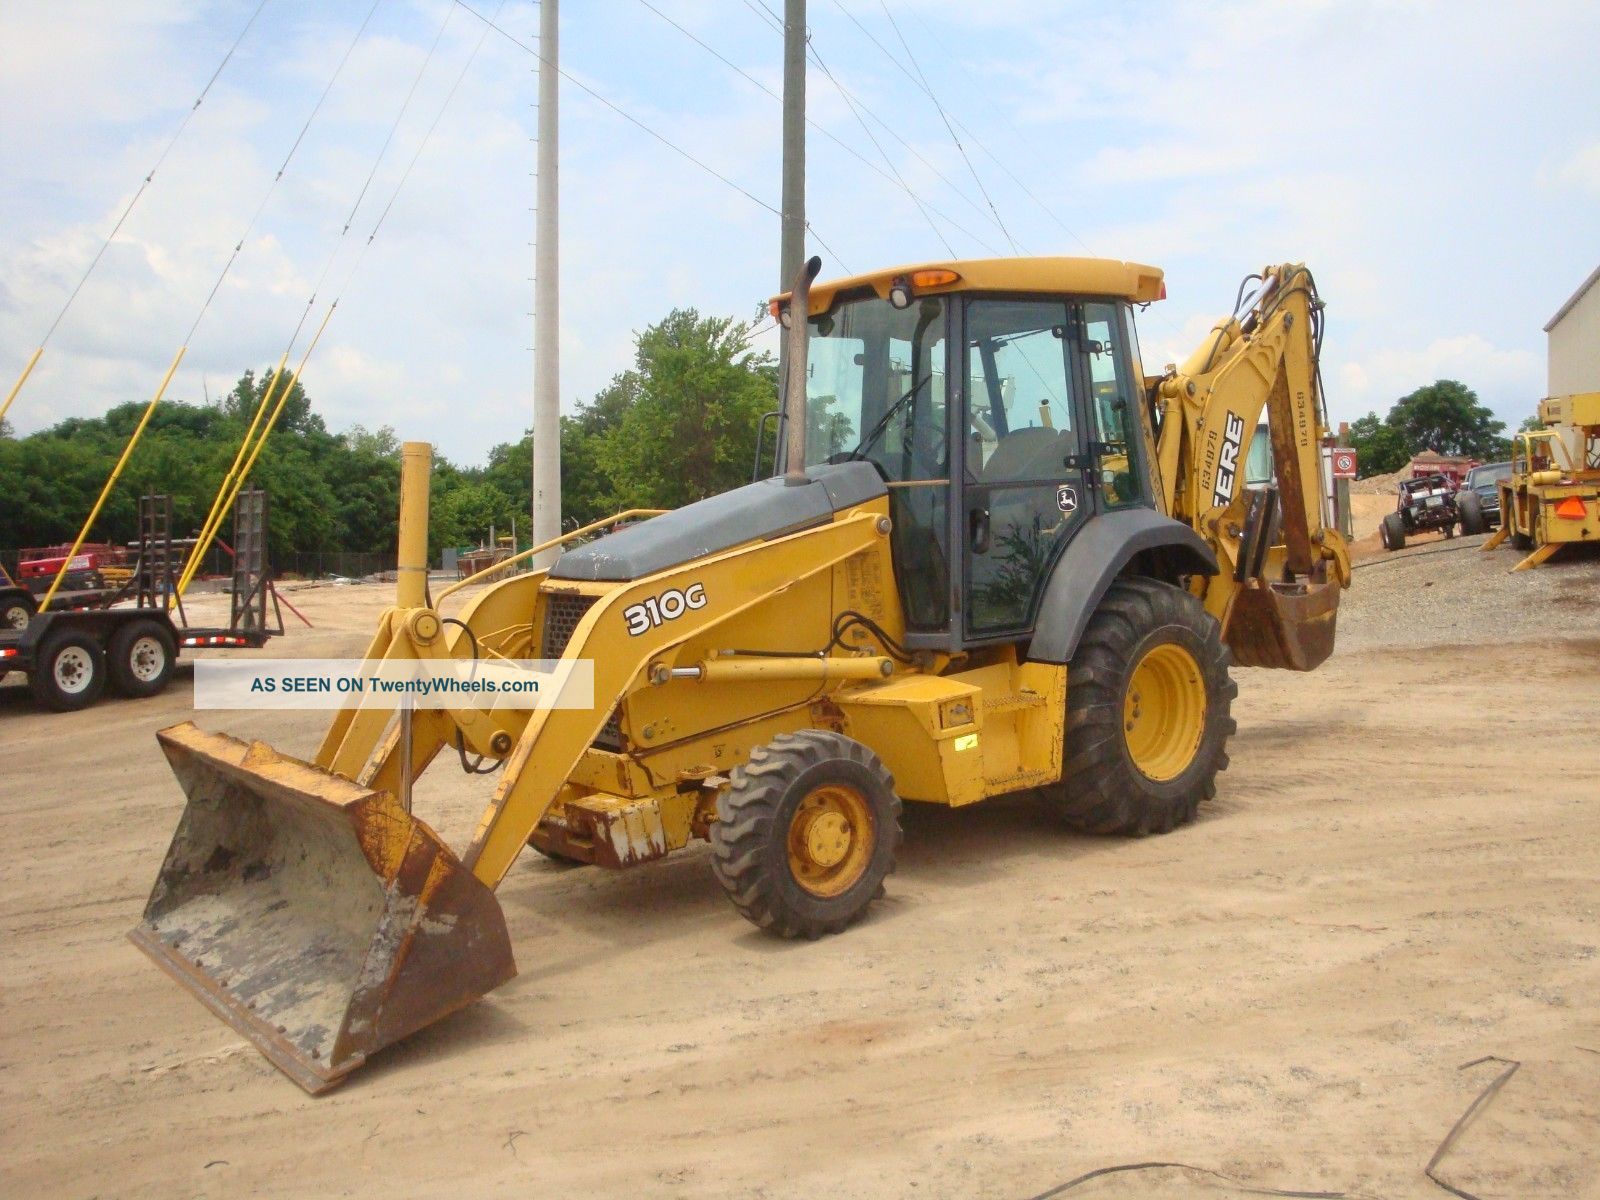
(16, 612)
(69, 672)
(141, 659)
(1149, 702)
(806, 833)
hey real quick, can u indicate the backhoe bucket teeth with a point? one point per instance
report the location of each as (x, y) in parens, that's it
(314, 915)
(1284, 625)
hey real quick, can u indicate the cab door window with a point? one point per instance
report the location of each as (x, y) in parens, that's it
(1118, 472)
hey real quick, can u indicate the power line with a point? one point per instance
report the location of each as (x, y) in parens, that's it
(128, 208)
(854, 100)
(276, 179)
(813, 124)
(927, 87)
(635, 121)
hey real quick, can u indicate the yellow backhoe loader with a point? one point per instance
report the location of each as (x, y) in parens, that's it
(992, 556)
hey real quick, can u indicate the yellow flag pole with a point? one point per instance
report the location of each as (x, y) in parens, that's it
(116, 473)
(204, 545)
(214, 517)
(17, 386)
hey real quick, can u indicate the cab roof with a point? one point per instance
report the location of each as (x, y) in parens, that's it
(1043, 276)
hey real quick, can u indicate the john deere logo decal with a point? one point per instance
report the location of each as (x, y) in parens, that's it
(1067, 498)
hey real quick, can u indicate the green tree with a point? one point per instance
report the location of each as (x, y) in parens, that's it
(1530, 423)
(1379, 447)
(696, 393)
(1446, 416)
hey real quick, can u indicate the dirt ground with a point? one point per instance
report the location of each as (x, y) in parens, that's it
(1398, 877)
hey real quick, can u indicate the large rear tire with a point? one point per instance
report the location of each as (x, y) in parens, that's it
(1470, 505)
(1149, 703)
(1394, 532)
(806, 833)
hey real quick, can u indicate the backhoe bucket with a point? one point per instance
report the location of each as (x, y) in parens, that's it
(314, 915)
(1285, 625)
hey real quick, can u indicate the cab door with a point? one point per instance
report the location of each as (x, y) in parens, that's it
(1024, 443)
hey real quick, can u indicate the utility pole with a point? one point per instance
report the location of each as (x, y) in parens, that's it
(546, 296)
(792, 240)
(792, 248)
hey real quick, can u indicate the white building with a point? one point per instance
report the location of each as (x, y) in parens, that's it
(1574, 339)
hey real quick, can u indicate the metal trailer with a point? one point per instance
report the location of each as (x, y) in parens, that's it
(70, 656)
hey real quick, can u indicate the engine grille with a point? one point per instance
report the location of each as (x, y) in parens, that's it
(561, 617)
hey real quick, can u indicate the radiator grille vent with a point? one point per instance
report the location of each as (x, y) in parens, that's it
(561, 616)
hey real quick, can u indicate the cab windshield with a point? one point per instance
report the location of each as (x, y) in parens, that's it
(875, 387)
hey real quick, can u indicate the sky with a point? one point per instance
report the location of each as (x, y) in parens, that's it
(1437, 165)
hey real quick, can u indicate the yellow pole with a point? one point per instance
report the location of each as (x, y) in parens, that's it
(116, 473)
(17, 386)
(204, 544)
(411, 563)
(214, 517)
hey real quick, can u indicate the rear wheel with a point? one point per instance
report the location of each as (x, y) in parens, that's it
(1148, 713)
(806, 833)
(69, 672)
(1470, 506)
(141, 659)
(1394, 532)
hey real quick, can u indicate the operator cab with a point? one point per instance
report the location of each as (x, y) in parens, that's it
(1000, 400)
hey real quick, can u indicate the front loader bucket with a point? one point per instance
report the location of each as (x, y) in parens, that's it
(314, 915)
(1285, 625)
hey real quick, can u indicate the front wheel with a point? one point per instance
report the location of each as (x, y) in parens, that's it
(1149, 702)
(806, 833)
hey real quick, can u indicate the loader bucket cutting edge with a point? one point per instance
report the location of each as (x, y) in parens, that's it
(312, 914)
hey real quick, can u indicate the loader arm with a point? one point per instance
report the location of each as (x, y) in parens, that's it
(1283, 564)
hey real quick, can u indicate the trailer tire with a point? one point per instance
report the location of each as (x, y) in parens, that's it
(1124, 772)
(141, 659)
(69, 671)
(1470, 506)
(806, 833)
(16, 612)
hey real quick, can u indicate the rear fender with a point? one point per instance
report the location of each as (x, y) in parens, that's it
(1103, 550)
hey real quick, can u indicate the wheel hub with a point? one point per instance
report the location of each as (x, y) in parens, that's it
(830, 840)
(1164, 711)
(73, 670)
(147, 659)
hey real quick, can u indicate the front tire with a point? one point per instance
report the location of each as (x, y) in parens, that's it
(69, 672)
(141, 659)
(1149, 702)
(806, 833)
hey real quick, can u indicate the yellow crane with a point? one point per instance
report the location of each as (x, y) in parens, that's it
(995, 556)
(1552, 497)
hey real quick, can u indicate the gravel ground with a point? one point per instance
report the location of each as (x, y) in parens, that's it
(1439, 593)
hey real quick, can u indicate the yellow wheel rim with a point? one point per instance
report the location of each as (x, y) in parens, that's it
(830, 840)
(1164, 712)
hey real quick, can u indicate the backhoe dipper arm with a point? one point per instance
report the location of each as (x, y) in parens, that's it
(1262, 361)
(1283, 565)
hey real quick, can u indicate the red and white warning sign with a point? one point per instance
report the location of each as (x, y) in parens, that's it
(1344, 463)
